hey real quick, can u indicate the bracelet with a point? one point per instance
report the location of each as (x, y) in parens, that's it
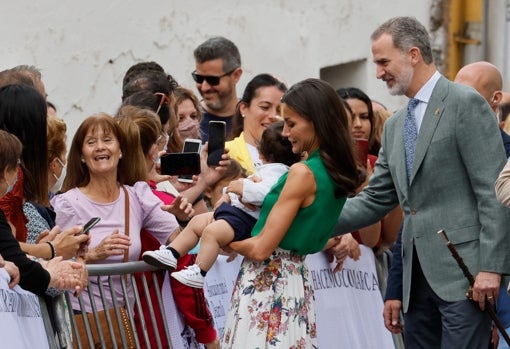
(53, 251)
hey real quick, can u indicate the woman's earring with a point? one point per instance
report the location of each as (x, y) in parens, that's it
(120, 156)
(82, 160)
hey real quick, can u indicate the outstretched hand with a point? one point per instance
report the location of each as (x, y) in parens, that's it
(180, 208)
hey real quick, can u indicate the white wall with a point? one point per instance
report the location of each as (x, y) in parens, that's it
(83, 48)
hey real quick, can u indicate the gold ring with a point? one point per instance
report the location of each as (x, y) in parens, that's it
(489, 297)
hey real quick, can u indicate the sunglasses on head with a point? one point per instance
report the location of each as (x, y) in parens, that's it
(164, 100)
(211, 79)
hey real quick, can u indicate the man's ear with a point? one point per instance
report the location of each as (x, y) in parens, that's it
(237, 74)
(496, 98)
(415, 55)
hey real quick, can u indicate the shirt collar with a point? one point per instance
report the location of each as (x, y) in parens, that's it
(425, 92)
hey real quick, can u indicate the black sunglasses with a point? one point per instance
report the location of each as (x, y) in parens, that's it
(211, 79)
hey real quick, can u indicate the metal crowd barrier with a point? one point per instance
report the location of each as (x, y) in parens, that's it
(133, 276)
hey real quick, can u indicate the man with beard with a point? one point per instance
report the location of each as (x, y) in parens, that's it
(439, 160)
(217, 71)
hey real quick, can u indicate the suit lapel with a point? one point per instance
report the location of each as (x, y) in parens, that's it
(400, 165)
(430, 121)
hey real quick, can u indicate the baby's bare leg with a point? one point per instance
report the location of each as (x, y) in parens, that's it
(189, 237)
(217, 234)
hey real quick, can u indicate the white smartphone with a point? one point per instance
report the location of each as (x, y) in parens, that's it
(191, 145)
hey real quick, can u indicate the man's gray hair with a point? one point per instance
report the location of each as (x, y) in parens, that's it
(406, 32)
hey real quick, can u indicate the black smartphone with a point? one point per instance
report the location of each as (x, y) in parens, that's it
(190, 146)
(93, 221)
(216, 145)
(176, 164)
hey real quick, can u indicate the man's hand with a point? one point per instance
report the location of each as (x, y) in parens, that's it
(391, 314)
(344, 246)
(486, 285)
(211, 175)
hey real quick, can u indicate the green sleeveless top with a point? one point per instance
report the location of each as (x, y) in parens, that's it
(312, 226)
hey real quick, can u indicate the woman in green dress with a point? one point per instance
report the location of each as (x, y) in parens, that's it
(272, 304)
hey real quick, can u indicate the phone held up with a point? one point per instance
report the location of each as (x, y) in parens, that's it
(190, 146)
(93, 221)
(177, 164)
(216, 143)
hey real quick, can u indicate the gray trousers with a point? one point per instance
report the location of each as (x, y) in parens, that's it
(431, 323)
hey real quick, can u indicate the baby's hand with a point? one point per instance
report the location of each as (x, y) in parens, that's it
(236, 187)
(255, 179)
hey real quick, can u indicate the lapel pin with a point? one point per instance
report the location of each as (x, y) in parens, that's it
(437, 112)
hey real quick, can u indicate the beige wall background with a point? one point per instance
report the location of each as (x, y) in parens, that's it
(83, 48)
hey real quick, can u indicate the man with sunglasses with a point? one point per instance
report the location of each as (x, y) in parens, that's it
(217, 71)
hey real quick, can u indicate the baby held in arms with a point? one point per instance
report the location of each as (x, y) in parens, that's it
(233, 218)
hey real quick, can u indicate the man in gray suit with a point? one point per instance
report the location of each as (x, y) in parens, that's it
(450, 186)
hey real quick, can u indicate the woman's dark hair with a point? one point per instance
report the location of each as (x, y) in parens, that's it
(276, 148)
(23, 113)
(356, 93)
(315, 100)
(139, 69)
(153, 101)
(250, 92)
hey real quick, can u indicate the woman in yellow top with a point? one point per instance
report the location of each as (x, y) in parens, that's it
(257, 109)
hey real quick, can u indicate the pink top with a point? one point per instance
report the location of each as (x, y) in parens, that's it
(75, 208)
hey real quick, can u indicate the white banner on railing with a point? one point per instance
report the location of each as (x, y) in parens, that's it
(218, 287)
(21, 323)
(348, 303)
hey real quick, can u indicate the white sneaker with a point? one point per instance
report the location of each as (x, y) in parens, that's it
(190, 276)
(162, 258)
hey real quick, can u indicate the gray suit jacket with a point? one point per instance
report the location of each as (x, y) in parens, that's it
(457, 160)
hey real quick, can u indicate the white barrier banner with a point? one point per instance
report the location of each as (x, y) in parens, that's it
(348, 303)
(218, 287)
(21, 323)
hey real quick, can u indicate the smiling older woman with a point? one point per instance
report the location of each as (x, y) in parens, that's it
(96, 186)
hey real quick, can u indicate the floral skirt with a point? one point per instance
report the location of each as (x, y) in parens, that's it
(272, 305)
